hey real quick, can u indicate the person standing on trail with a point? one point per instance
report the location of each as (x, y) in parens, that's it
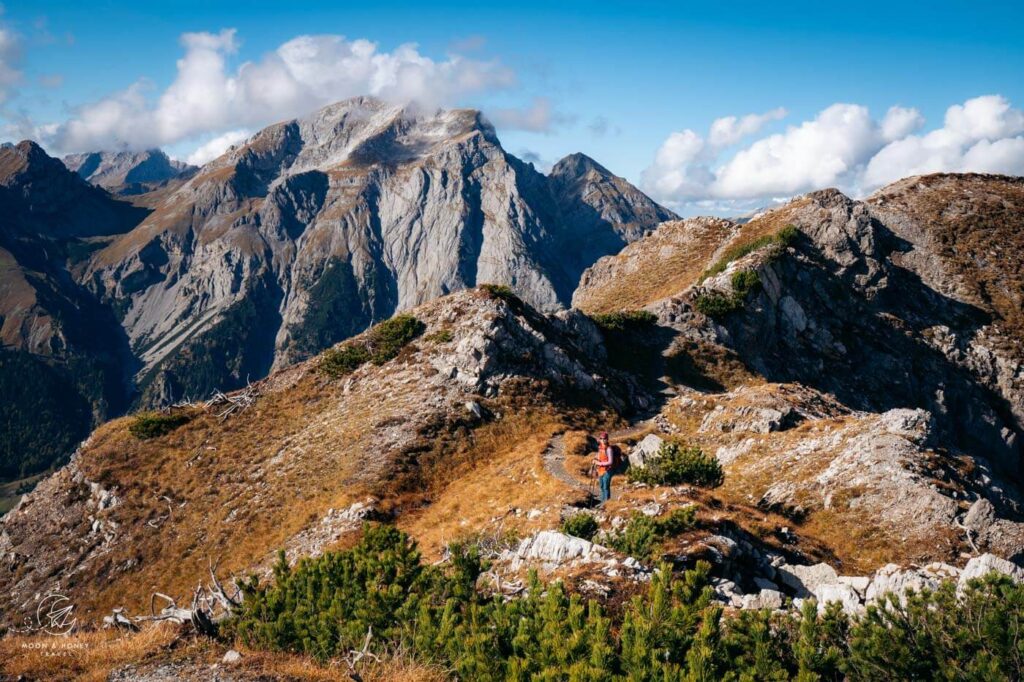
(605, 463)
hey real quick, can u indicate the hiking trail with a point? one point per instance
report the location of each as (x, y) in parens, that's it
(554, 454)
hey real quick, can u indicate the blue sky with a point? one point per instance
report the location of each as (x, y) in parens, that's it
(613, 80)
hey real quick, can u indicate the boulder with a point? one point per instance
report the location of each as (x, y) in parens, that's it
(552, 549)
(980, 566)
(841, 593)
(980, 516)
(857, 582)
(730, 593)
(898, 580)
(646, 450)
(805, 580)
(765, 599)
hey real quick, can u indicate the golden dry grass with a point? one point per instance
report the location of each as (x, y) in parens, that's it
(976, 225)
(508, 474)
(92, 656)
(656, 267)
(84, 656)
(671, 260)
(846, 531)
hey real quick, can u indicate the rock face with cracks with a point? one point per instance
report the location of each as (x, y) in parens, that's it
(315, 228)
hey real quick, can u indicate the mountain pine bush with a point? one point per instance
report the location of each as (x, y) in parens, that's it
(677, 463)
(672, 631)
(642, 533)
(624, 320)
(146, 425)
(381, 343)
(580, 525)
(780, 240)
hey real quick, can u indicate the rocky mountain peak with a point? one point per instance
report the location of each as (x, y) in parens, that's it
(357, 132)
(321, 225)
(126, 170)
(45, 198)
(577, 165)
(26, 162)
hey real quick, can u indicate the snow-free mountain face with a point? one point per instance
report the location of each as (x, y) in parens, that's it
(127, 172)
(857, 378)
(62, 354)
(181, 281)
(315, 228)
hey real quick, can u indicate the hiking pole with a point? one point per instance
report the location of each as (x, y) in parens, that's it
(592, 478)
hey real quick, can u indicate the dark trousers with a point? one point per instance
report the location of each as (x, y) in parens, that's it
(606, 485)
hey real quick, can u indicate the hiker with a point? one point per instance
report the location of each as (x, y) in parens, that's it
(605, 462)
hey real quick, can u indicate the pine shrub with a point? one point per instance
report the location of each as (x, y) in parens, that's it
(337, 362)
(580, 525)
(624, 320)
(380, 344)
(146, 425)
(676, 464)
(501, 291)
(642, 534)
(716, 305)
(673, 630)
(780, 240)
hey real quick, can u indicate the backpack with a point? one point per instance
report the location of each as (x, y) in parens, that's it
(615, 453)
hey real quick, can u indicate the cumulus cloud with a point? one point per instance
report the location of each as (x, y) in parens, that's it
(814, 154)
(211, 150)
(207, 96)
(731, 129)
(900, 122)
(982, 135)
(682, 165)
(843, 145)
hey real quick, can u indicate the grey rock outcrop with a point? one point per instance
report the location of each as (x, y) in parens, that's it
(647, 449)
(127, 172)
(981, 566)
(316, 228)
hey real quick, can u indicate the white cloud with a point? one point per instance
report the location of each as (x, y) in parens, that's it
(900, 122)
(307, 72)
(842, 146)
(731, 129)
(211, 150)
(539, 117)
(814, 154)
(981, 135)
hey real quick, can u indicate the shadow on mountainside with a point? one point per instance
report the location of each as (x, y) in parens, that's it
(869, 345)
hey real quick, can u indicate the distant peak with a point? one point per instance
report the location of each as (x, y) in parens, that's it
(25, 157)
(578, 165)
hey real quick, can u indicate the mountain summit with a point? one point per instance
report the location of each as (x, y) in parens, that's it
(317, 227)
(127, 172)
(136, 281)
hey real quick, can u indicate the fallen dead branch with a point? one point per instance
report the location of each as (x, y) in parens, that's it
(355, 656)
(210, 604)
(234, 402)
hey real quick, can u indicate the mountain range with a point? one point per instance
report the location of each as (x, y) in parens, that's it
(140, 281)
(413, 327)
